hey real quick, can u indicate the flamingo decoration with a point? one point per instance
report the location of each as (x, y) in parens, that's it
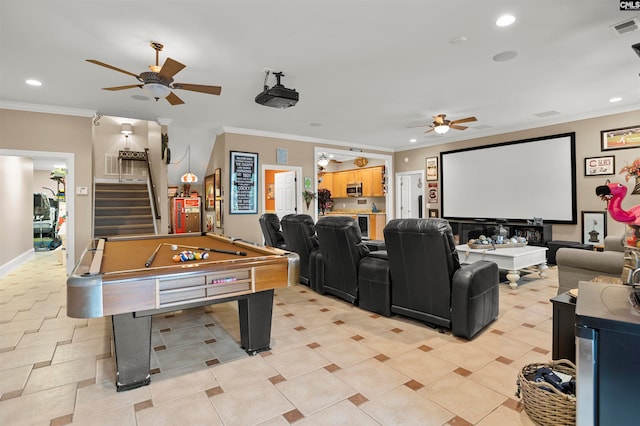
(613, 193)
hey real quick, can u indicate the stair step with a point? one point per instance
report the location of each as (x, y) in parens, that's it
(122, 210)
(121, 186)
(123, 220)
(121, 202)
(105, 231)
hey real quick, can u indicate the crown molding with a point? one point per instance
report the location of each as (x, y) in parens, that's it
(49, 109)
(298, 138)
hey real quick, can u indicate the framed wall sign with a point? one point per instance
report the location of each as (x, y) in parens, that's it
(432, 168)
(243, 174)
(432, 195)
(434, 213)
(218, 213)
(217, 183)
(600, 166)
(209, 193)
(282, 155)
(626, 137)
(594, 227)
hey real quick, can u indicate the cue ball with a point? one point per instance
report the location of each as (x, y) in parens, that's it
(174, 247)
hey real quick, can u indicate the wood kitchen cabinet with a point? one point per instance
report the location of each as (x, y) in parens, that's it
(339, 185)
(372, 184)
(327, 182)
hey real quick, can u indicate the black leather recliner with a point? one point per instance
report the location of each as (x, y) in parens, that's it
(300, 237)
(428, 282)
(342, 250)
(270, 225)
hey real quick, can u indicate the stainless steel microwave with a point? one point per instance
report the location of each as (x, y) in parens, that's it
(354, 189)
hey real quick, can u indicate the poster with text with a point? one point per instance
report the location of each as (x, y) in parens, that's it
(244, 183)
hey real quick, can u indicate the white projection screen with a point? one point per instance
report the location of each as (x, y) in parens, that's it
(515, 181)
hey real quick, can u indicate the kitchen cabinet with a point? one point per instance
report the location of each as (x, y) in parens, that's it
(372, 184)
(377, 223)
(327, 182)
(339, 185)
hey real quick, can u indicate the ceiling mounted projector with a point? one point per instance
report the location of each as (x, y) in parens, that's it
(278, 96)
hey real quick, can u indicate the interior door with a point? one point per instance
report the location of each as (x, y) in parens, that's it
(404, 196)
(285, 193)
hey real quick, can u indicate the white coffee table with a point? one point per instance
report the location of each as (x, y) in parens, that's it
(509, 259)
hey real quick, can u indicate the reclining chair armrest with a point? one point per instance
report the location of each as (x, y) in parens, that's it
(614, 243)
(582, 265)
(474, 298)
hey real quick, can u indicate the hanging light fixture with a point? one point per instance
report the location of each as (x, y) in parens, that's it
(189, 177)
(323, 161)
(126, 129)
(441, 129)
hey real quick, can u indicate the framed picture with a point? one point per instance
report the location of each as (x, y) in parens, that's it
(626, 137)
(282, 155)
(243, 173)
(434, 213)
(594, 227)
(218, 213)
(209, 192)
(432, 168)
(432, 193)
(217, 182)
(600, 166)
(209, 223)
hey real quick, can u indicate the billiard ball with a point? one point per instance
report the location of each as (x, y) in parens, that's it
(174, 247)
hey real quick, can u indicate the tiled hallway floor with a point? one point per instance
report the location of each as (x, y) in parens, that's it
(331, 363)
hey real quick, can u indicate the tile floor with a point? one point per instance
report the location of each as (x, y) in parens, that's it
(331, 363)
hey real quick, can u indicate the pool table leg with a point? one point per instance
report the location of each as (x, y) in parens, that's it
(132, 338)
(255, 321)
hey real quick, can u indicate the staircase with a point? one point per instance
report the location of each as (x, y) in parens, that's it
(122, 209)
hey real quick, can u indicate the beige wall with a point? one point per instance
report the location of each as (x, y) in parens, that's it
(35, 131)
(16, 214)
(587, 145)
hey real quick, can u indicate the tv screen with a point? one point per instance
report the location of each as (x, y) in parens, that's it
(515, 181)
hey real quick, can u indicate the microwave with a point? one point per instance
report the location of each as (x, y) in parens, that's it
(354, 189)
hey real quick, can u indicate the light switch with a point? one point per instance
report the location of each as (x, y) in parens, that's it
(82, 190)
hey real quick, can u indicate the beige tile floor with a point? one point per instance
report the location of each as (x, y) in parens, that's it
(330, 364)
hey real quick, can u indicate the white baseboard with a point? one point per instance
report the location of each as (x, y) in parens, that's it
(10, 265)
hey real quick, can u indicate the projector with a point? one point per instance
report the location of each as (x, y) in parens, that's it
(278, 96)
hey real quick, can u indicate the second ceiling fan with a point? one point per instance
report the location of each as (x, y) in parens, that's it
(441, 125)
(159, 81)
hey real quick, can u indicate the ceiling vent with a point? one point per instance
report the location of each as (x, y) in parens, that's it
(626, 26)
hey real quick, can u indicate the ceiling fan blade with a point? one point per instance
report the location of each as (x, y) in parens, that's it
(130, 86)
(212, 90)
(429, 130)
(111, 67)
(170, 68)
(457, 127)
(464, 120)
(173, 99)
(418, 125)
(439, 118)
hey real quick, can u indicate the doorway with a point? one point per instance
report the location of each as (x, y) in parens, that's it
(410, 198)
(282, 189)
(66, 158)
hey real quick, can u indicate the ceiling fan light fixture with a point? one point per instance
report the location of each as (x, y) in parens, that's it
(323, 161)
(157, 90)
(441, 129)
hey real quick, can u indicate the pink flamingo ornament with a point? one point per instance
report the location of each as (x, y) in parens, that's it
(613, 193)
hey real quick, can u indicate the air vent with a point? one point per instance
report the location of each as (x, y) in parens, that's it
(626, 26)
(546, 114)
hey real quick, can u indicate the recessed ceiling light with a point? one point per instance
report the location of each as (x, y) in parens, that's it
(505, 20)
(32, 82)
(413, 140)
(616, 99)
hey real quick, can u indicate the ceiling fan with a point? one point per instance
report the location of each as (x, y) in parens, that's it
(441, 125)
(159, 81)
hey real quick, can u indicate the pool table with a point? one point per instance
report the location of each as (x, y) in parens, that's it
(132, 278)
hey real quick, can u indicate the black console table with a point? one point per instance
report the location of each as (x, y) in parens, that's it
(564, 323)
(536, 235)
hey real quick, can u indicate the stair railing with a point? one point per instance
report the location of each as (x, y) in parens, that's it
(152, 189)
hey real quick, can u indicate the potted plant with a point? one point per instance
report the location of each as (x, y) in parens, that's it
(324, 200)
(308, 196)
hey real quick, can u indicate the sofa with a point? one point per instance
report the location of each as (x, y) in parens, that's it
(575, 265)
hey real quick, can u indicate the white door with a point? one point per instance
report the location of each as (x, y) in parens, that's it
(285, 193)
(409, 189)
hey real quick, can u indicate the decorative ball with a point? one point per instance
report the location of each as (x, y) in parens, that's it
(514, 240)
(472, 241)
(482, 237)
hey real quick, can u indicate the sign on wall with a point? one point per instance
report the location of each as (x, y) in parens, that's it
(244, 183)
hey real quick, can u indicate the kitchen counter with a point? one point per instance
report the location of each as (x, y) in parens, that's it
(351, 212)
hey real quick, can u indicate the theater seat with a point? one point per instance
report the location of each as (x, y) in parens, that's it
(428, 282)
(300, 237)
(270, 225)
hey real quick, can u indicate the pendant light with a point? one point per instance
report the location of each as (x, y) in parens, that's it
(189, 177)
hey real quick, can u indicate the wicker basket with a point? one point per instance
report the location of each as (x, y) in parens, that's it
(497, 246)
(542, 402)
